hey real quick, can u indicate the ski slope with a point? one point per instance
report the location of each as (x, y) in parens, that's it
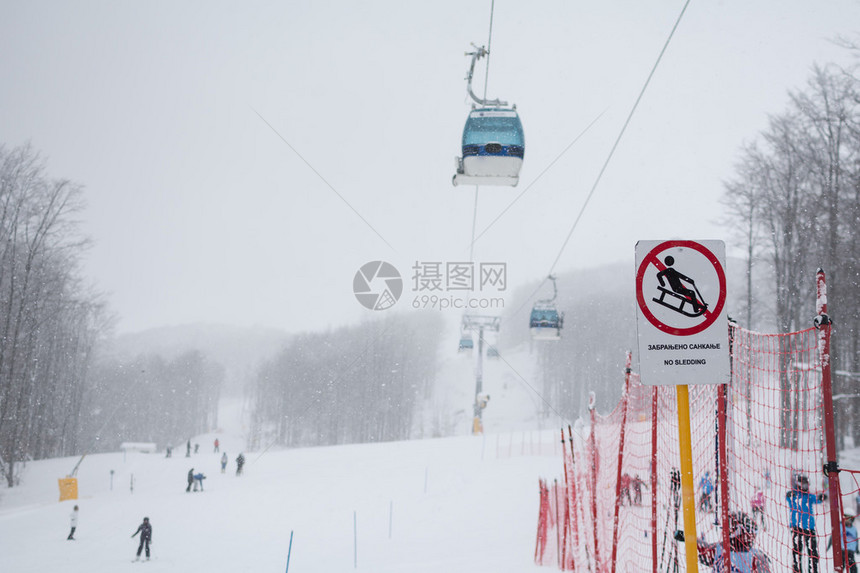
(457, 504)
(465, 504)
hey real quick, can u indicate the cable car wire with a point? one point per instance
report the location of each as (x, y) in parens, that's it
(535, 180)
(489, 46)
(618, 139)
(323, 179)
(486, 83)
(608, 157)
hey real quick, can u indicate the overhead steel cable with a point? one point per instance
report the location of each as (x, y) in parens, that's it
(618, 139)
(609, 156)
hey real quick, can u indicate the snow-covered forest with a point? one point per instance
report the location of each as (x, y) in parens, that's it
(792, 204)
(353, 384)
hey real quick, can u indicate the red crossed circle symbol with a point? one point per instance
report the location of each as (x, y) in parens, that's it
(651, 259)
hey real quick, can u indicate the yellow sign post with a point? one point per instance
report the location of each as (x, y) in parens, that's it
(688, 492)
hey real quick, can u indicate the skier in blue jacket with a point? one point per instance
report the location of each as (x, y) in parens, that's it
(800, 502)
(706, 486)
(849, 541)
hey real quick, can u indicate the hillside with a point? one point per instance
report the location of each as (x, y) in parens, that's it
(239, 349)
(456, 505)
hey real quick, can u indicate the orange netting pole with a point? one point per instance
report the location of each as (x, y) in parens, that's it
(654, 479)
(625, 400)
(540, 543)
(723, 467)
(594, 481)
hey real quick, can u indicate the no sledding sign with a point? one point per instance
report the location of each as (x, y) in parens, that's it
(681, 312)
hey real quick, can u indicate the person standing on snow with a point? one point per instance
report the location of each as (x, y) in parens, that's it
(638, 484)
(198, 479)
(757, 504)
(240, 461)
(190, 479)
(742, 532)
(145, 530)
(706, 486)
(217, 446)
(73, 519)
(849, 542)
(224, 462)
(800, 502)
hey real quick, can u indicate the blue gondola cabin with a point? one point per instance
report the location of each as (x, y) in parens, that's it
(493, 148)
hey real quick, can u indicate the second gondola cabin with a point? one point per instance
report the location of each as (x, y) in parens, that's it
(546, 322)
(493, 148)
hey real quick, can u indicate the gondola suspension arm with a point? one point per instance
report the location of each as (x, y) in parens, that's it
(477, 55)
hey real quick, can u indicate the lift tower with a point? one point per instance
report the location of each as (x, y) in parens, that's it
(480, 324)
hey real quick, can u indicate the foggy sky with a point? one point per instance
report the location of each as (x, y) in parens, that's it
(199, 211)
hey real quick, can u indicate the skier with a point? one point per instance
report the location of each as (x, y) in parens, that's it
(145, 530)
(757, 504)
(196, 448)
(216, 446)
(849, 541)
(240, 461)
(198, 479)
(188, 449)
(638, 484)
(707, 488)
(190, 479)
(168, 451)
(800, 502)
(625, 490)
(744, 558)
(224, 462)
(73, 518)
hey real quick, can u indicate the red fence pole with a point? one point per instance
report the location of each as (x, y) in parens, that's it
(540, 543)
(574, 501)
(566, 506)
(722, 418)
(594, 461)
(654, 478)
(831, 468)
(625, 401)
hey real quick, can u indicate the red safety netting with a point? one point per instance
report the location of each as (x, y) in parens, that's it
(756, 442)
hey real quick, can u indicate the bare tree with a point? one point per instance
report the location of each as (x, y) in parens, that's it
(47, 320)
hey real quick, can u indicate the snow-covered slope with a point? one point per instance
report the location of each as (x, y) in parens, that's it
(512, 381)
(454, 504)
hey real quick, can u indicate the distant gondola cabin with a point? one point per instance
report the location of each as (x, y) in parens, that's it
(546, 323)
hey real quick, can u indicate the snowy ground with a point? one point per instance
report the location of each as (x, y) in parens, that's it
(475, 515)
(466, 504)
